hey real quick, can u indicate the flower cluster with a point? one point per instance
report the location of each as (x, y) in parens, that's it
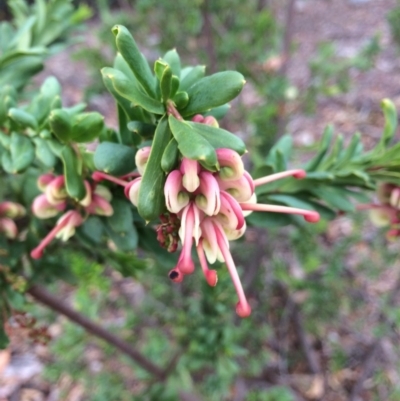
(9, 211)
(55, 200)
(212, 209)
(387, 211)
(207, 210)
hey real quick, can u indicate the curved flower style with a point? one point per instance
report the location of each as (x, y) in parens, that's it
(55, 199)
(9, 211)
(211, 208)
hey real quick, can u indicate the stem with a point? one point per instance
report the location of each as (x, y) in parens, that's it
(172, 111)
(44, 297)
(100, 176)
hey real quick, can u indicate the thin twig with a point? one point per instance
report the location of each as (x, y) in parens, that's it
(44, 297)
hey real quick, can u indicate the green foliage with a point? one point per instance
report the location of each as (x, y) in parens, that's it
(330, 74)
(35, 34)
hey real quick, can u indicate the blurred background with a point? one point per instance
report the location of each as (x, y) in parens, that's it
(326, 297)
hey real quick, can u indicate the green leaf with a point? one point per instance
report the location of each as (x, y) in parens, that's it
(120, 226)
(191, 144)
(60, 124)
(174, 61)
(174, 86)
(165, 83)
(279, 154)
(190, 75)
(350, 152)
(130, 52)
(146, 131)
(20, 156)
(86, 127)
(72, 172)
(181, 99)
(125, 88)
(219, 112)
(335, 197)
(114, 158)
(23, 118)
(133, 113)
(213, 91)
(92, 230)
(44, 153)
(333, 157)
(170, 156)
(314, 163)
(218, 137)
(268, 220)
(151, 193)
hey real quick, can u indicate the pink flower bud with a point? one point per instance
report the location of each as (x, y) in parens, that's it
(241, 189)
(88, 197)
(131, 191)
(175, 196)
(43, 209)
(55, 191)
(68, 222)
(198, 118)
(104, 192)
(44, 180)
(208, 200)
(141, 158)
(190, 170)
(231, 164)
(230, 214)
(212, 121)
(8, 228)
(100, 206)
(12, 210)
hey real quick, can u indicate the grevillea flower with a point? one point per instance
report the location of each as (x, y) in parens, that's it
(55, 200)
(213, 213)
(210, 208)
(9, 211)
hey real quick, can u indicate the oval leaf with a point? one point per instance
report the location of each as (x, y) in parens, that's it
(213, 91)
(191, 144)
(72, 173)
(114, 158)
(130, 52)
(129, 91)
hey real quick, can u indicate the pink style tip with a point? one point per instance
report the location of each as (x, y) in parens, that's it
(176, 275)
(243, 309)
